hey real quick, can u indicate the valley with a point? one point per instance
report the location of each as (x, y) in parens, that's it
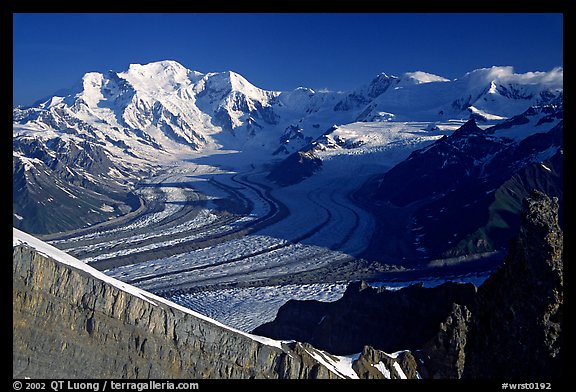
(203, 188)
(209, 231)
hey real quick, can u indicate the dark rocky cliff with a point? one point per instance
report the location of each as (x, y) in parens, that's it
(513, 330)
(389, 320)
(518, 312)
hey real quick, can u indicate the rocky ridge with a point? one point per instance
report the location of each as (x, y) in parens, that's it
(391, 320)
(514, 327)
(519, 310)
(469, 173)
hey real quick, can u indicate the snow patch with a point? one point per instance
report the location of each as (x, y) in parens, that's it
(341, 366)
(29, 163)
(399, 370)
(383, 369)
(107, 208)
(485, 115)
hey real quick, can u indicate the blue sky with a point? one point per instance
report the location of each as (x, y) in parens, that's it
(279, 51)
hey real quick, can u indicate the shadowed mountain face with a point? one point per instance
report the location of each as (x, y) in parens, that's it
(62, 185)
(519, 310)
(295, 168)
(514, 327)
(478, 174)
(384, 319)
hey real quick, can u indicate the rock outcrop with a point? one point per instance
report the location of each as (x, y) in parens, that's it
(71, 321)
(388, 320)
(513, 329)
(444, 355)
(518, 312)
(375, 364)
(295, 168)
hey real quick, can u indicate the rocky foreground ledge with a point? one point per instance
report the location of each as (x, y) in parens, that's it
(72, 321)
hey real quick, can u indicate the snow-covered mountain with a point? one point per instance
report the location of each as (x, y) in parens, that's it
(485, 94)
(165, 107)
(121, 126)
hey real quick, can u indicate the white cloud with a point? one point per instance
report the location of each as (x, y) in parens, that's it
(505, 74)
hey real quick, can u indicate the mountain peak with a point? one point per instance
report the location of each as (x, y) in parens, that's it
(158, 67)
(167, 75)
(380, 84)
(92, 84)
(220, 84)
(237, 81)
(469, 127)
(384, 75)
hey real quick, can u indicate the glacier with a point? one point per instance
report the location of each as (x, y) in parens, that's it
(191, 152)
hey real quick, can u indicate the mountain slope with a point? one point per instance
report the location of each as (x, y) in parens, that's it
(515, 326)
(61, 185)
(468, 173)
(523, 300)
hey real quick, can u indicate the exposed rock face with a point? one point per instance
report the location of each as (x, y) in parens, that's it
(377, 364)
(513, 329)
(69, 324)
(385, 319)
(60, 185)
(444, 355)
(295, 168)
(518, 314)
